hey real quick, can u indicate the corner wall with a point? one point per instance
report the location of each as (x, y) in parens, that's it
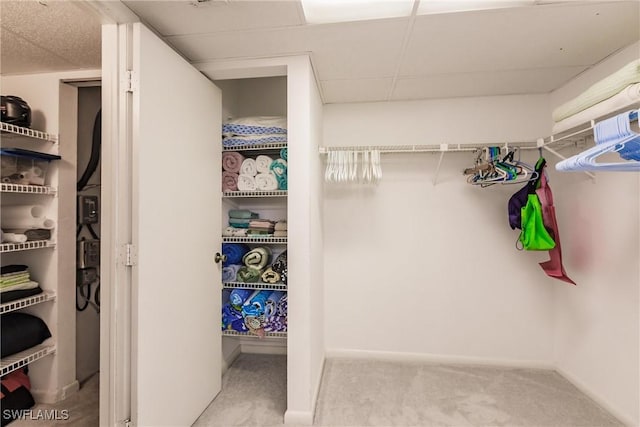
(597, 328)
(418, 271)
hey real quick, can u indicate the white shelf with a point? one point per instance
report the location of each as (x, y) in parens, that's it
(26, 132)
(249, 335)
(35, 244)
(275, 193)
(257, 147)
(255, 285)
(27, 189)
(26, 302)
(270, 240)
(18, 360)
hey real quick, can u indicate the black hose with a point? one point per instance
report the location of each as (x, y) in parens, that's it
(95, 152)
(86, 300)
(93, 232)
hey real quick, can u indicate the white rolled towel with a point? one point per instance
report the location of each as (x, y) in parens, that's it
(249, 167)
(14, 238)
(25, 217)
(266, 182)
(263, 163)
(246, 183)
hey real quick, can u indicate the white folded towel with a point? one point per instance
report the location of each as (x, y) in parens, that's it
(249, 167)
(263, 163)
(281, 226)
(246, 183)
(266, 182)
(14, 238)
(234, 232)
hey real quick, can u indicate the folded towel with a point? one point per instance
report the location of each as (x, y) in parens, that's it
(266, 182)
(284, 153)
(258, 233)
(279, 169)
(239, 223)
(256, 304)
(280, 226)
(20, 286)
(257, 258)
(37, 234)
(234, 232)
(263, 163)
(238, 297)
(232, 161)
(261, 223)
(229, 181)
(280, 266)
(255, 125)
(246, 183)
(234, 252)
(229, 272)
(270, 276)
(280, 233)
(14, 280)
(14, 238)
(12, 295)
(275, 324)
(249, 167)
(13, 269)
(248, 275)
(242, 214)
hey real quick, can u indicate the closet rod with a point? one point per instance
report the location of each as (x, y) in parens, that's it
(453, 148)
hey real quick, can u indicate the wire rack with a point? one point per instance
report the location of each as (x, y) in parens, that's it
(276, 193)
(249, 335)
(26, 302)
(270, 240)
(257, 147)
(257, 285)
(36, 244)
(26, 132)
(18, 360)
(28, 189)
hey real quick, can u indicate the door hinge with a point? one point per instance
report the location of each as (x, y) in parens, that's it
(131, 81)
(130, 255)
(127, 422)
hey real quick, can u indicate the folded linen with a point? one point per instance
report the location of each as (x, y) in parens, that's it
(237, 141)
(257, 258)
(270, 276)
(14, 237)
(249, 167)
(13, 269)
(232, 161)
(284, 153)
(246, 183)
(252, 125)
(248, 274)
(238, 297)
(20, 286)
(242, 214)
(229, 272)
(266, 182)
(256, 304)
(279, 169)
(229, 181)
(14, 279)
(234, 232)
(12, 295)
(280, 233)
(263, 163)
(239, 223)
(234, 252)
(261, 223)
(37, 234)
(280, 226)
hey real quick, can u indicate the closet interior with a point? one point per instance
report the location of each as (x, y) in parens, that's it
(254, 217)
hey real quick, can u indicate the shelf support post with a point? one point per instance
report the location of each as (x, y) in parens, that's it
(443, 149)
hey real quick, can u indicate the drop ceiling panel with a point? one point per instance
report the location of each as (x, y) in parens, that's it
(20, 56)
(191, 17)
(520, 38)
(361, 90)
(506, 82)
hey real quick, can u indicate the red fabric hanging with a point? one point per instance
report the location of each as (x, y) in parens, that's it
(553, 267)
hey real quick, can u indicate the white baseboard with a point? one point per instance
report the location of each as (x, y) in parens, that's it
(227, 361)
(55, 396)
(437, 358)
(300, 418)
(599, 399)
(265, 347)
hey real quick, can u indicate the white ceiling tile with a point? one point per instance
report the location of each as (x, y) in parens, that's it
(520, 38)
(61, 28)
(361, 90)
(191, 17)
(20, 56)
(505, 82)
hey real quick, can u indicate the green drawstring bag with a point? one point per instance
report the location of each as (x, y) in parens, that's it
(534, 236)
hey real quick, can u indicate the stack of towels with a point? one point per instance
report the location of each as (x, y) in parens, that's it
(280, 229)
(16, 283)
(247, 131)
(261, 227)
(239, 220)
(246, 310)
(253, 265)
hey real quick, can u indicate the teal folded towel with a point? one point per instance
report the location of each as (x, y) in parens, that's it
(279, 169)
(242, 214)
(284, 153)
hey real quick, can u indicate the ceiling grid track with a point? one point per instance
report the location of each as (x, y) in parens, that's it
(403, 47)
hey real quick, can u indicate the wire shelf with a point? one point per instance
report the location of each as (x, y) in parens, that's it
(26, 302)
(36, 244)
(275, 193)
(28, 189)
(26, 132)
(18, 360)
(257, 239)
(257, 147)
(249, 335)
(255, 285)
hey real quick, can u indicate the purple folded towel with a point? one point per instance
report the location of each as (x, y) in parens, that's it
(232, 161)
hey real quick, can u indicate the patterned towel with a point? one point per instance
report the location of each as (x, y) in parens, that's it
(238, 141)
(256, 305)
(280, 266)
(284, 153)
(279, 169)
(238, 297)
(248, 275)
(255, 125)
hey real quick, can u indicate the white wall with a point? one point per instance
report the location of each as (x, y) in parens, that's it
(597, 333)
(54, 107)
(417, 270)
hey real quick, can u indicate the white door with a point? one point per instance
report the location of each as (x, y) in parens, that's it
(175, 131)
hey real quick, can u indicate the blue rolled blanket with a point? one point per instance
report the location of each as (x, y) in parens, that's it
(256, 305)
(234, 253)
(229, 272)
(279, 169)
(239, 296)
(271, 307)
